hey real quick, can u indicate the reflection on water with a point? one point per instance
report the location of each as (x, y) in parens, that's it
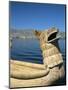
(29, 50)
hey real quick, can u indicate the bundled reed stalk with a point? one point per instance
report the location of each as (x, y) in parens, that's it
(24, 74)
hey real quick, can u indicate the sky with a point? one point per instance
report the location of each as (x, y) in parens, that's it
(36, 16)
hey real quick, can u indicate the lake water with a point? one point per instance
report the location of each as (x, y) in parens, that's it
(29, 50)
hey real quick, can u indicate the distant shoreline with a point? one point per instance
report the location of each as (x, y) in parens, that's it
(28, 34)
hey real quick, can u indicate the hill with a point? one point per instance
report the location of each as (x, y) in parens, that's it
(28, 33)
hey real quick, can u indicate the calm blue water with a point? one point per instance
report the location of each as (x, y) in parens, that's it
(29, 50)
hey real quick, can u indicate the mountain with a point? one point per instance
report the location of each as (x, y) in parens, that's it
(28, 33)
